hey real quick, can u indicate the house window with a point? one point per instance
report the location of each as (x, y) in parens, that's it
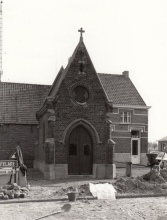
(135, 134)
(126, 117)
(162, 146)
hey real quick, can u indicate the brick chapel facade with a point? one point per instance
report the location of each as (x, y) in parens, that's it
(78, 126)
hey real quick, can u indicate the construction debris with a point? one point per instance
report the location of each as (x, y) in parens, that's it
(154, 182)
(13, 191)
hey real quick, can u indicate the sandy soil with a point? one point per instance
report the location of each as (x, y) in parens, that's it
(121, 209)
(135, 209)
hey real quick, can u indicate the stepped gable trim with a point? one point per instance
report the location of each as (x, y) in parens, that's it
(58, 79)
(62, 73)
(95, 72)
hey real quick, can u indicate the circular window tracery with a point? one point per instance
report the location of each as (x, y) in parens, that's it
(80, 94)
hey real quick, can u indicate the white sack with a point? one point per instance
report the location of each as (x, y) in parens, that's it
(103, 191)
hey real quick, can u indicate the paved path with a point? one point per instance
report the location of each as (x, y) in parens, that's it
(121, 209)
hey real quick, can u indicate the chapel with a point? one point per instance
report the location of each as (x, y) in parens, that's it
(82, 124)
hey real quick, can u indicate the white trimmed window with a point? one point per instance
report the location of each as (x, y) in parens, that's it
(126, 117)
(162, 146)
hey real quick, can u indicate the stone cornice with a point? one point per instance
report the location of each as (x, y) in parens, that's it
(46, 106)
(41, 112)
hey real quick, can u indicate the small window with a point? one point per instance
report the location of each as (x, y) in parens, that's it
(81, 94)
(86, 149)
(162, 146)
(81, 66)
(126, 117)
(73, 149)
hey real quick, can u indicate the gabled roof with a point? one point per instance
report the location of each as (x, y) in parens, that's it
(120, 90)
(163, 139)
(19, 102)
(63, 72)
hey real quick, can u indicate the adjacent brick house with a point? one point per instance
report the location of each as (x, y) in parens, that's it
(85, 116)
(18, 124)
(162, 144)
(81, 120)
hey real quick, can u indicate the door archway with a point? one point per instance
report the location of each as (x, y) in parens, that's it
(80, 152)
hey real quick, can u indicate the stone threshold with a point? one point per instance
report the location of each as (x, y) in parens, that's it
(81, 176)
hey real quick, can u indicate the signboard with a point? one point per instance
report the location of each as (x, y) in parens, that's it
(7, 171)
(7, 167)
(8, 163)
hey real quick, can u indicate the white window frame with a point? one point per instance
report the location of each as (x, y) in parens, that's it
(126, 117)
(162, 146)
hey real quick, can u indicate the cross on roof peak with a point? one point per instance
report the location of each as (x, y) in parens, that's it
(81, 31)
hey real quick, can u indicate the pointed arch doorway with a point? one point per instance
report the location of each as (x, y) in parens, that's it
(80, 152)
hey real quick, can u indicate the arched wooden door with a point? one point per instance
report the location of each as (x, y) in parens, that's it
(80, 152)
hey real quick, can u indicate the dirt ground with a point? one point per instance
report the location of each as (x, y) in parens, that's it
(46, 189)
(121, 209)
(133, 208)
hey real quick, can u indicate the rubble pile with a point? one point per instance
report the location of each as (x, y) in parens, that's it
(13, 191)
(80, 189)
(154, 182)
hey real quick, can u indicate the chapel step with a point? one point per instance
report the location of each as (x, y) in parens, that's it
(81, 176)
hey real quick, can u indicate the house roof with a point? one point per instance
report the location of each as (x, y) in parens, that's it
(163, 139)
(19, 102)
(120, 90)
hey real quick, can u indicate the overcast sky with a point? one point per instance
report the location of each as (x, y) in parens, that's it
(39, 36)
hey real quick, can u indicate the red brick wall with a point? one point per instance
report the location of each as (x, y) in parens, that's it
(144, 142)
(121, 134)
(123, 145)
(67, 110)
(43, 134)
(94, 111)
(22, 135)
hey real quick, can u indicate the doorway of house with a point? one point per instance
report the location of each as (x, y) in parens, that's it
(135, 147)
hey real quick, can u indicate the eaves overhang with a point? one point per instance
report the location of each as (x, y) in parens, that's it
(131, 106)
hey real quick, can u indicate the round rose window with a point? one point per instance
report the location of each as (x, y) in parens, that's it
(80, 94)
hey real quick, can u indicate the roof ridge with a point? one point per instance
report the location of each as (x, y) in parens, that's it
(121, 89)
(163, 139)
(110, 74)
(24, 84)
